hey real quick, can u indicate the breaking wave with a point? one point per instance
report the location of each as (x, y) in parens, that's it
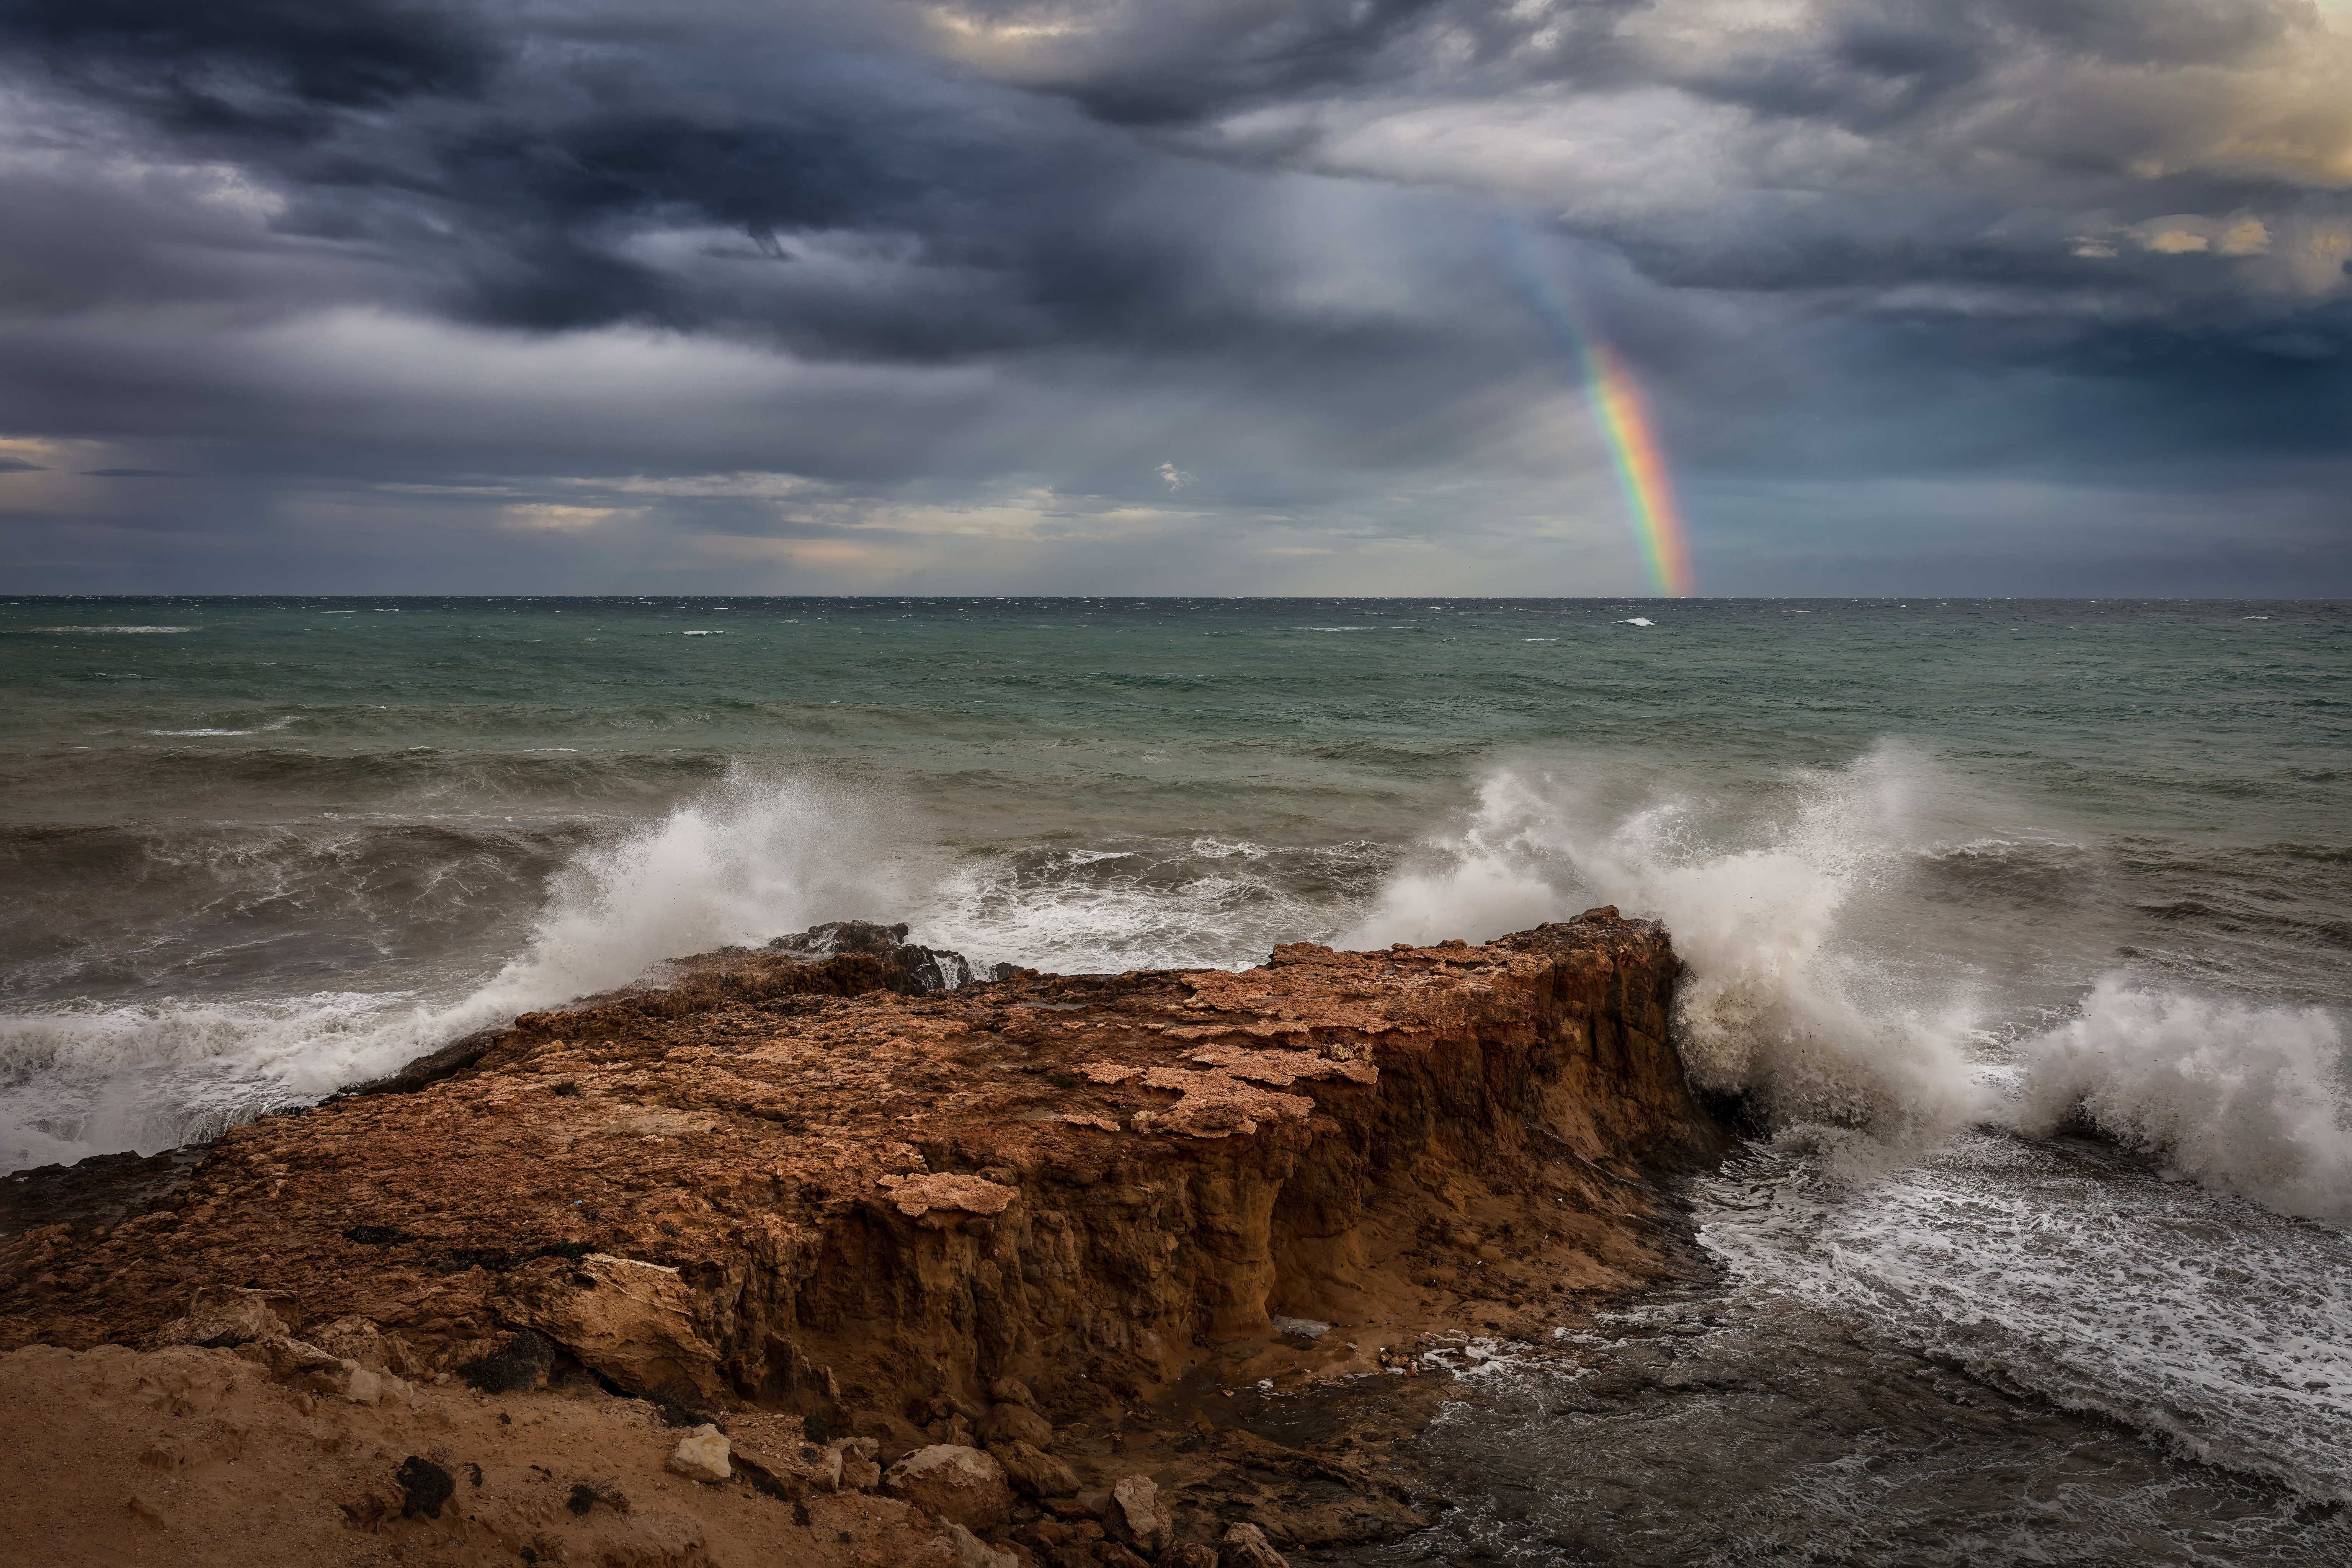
(749, 861)
(2249, 1100)
(1885, 951)
(1780, 1003)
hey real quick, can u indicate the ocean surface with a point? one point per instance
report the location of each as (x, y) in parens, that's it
(2021, 928)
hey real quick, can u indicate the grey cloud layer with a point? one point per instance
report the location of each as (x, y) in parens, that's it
(930, 257)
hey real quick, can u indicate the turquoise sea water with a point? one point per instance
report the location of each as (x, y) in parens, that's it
(1948, 874)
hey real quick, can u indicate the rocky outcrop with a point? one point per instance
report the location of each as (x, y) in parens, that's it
(808, 1182)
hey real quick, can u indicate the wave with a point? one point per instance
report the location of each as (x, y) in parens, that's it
(2076, 1274)
(2251, 1100)
(257, 730)
(245, 782)
(130, 630)
(1887, 950)
(747, 862)
(1780, 1005)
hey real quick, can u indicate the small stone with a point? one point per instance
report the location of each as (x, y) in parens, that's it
(1012, 1391)
(703, 1455)
(361, 1387)
(1188, 1554)
(1245, 1546)
(424, 1487)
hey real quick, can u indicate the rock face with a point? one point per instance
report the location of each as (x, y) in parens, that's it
(803, 1179)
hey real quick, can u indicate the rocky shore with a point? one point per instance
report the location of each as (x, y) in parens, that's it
(833, 1252)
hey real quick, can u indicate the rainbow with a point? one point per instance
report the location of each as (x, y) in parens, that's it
(1615, 397)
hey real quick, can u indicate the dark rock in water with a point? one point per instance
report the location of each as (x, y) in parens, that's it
(431, 1068)
(919, 971)
(98, 1192)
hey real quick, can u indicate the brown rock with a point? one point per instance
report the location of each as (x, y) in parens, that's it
(218, 1319)
(1188, 1554)
(630, 1319)
(960, 1484)
(1012, 1391)
(1136, 1516)
(1245, 1546)
(867, 1195)
(1015, 1423)
(1033, 1471)
(974, 1552)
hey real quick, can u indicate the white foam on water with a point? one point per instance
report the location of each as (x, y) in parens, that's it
(257, 730)
(2223, 1327)
(1204, 902)
(751, 861)
(135, 631)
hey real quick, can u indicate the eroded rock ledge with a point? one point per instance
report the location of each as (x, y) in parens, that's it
(748, 1192)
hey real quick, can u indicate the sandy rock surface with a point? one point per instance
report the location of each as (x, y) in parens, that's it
(187, 1456)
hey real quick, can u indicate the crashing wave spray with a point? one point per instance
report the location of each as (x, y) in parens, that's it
(1825, 987)
(748, 862)
(2249, 1100)
(1781, 1005)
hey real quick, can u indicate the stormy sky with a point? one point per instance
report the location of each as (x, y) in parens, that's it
(1172, 296)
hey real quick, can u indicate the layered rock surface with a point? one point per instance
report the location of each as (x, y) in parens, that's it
(802, 1181)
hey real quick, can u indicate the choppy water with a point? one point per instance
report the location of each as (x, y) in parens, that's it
(1951, 876)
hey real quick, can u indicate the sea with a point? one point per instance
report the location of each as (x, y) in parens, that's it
(2016, 935)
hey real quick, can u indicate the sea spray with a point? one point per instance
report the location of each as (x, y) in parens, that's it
(1790, 1000)
(2246, 1098)
(756, 858)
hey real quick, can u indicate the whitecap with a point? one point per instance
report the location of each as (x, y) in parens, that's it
(257, 730)
(131, 629)
(711, 634)
(1637, 621)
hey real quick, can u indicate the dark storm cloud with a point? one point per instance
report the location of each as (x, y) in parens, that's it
(1175, 261)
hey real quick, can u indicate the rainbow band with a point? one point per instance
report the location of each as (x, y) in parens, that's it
(1641, 469)
(1615, 397)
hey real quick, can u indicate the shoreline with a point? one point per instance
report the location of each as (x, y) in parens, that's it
(1030, 1219)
